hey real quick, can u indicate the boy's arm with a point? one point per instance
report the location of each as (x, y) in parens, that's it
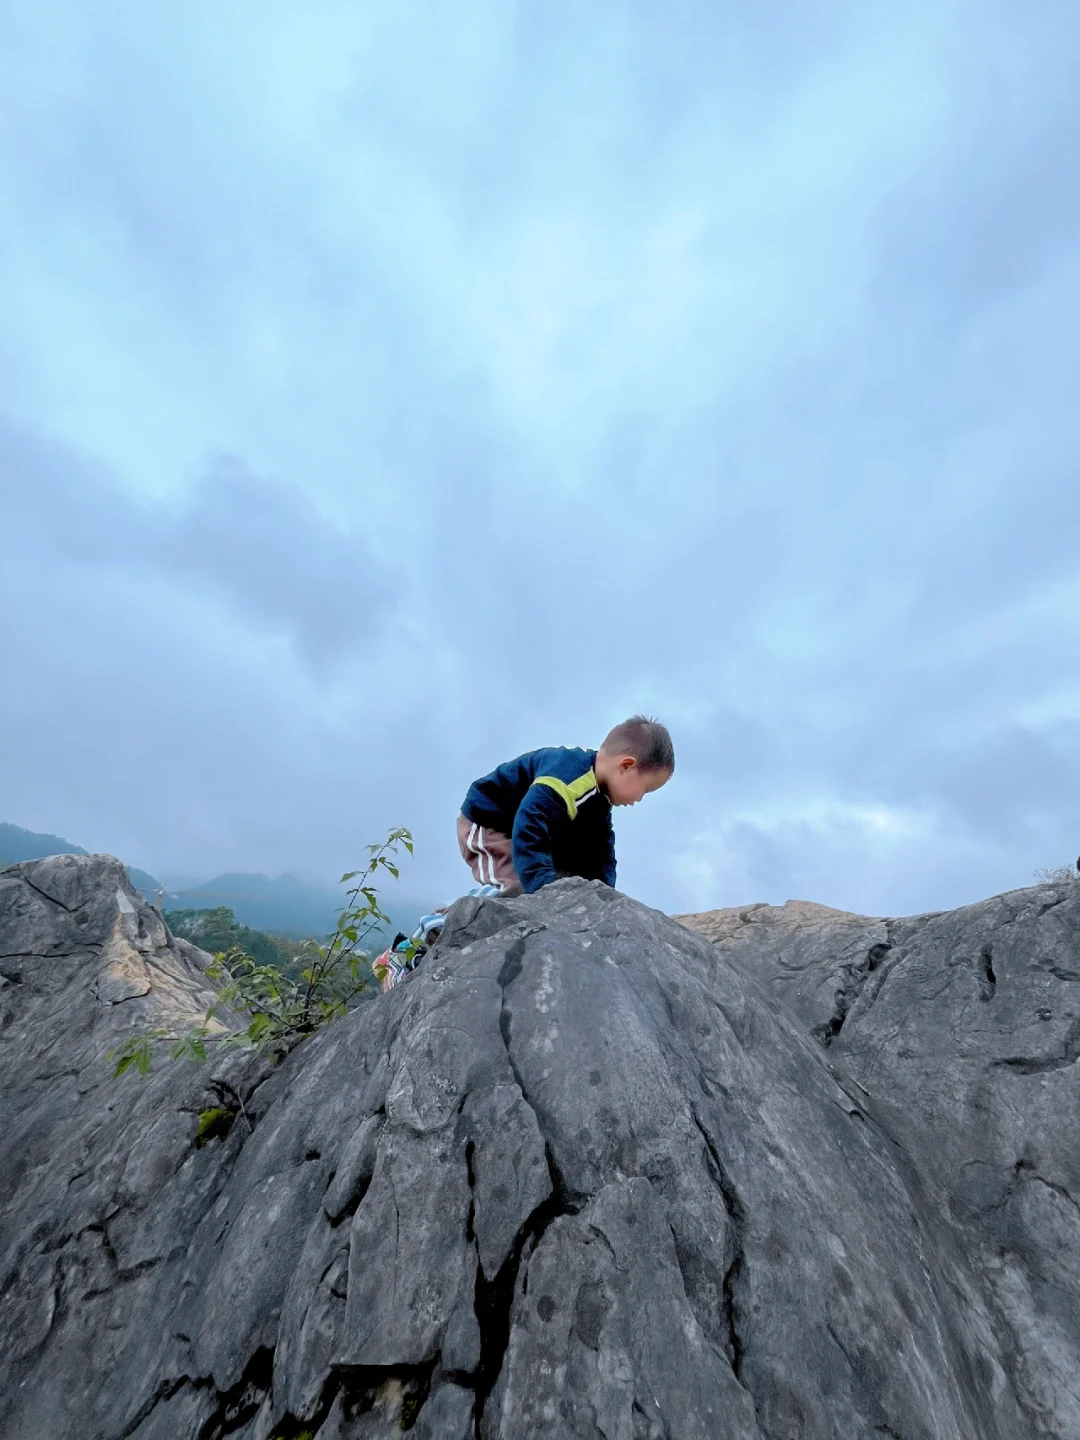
(608, 875)
(539, 815)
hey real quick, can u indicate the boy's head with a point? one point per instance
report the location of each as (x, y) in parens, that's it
(636, 758)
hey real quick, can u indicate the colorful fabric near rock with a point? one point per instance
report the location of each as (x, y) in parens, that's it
(404, 953)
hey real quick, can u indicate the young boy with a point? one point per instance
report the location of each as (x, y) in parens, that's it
(544, 815)
(548, 813)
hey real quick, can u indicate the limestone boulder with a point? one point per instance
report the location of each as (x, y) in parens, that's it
(586, 1174)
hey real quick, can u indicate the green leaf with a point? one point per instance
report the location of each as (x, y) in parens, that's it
(257, 1027)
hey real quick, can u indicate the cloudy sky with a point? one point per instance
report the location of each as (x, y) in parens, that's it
(387, 389)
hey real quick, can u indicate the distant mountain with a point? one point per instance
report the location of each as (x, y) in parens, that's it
(283, 905)
(18, 844)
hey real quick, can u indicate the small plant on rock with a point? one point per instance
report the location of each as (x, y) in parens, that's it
(260, 1007)
(1057, 873)
(213, 1123)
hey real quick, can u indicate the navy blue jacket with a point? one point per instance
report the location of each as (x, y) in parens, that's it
(559, 819)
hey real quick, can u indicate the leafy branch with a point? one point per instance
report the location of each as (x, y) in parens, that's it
(281, 1011)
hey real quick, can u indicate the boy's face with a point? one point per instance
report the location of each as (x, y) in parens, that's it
(627, 783)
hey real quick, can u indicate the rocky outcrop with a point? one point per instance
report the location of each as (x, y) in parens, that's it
(961, 1031)
(586, 1174)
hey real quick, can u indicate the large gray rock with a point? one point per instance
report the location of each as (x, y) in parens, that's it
(962, 1032)
(586, 1174)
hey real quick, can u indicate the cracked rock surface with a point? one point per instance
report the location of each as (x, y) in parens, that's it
(962, 1032)
(587, 1174)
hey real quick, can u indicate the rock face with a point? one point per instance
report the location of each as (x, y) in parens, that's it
(587, 1174)
(962, 1032)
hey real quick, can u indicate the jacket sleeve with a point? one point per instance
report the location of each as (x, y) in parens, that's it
(499, 791)
(608, 872)
(540, 815)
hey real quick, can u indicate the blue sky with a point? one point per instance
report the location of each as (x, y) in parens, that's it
(387, 390)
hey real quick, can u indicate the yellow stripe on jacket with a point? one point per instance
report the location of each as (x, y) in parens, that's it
(573, 794)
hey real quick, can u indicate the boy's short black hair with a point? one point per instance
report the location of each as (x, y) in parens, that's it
(646, 740)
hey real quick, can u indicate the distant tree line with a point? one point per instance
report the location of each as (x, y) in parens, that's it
(218, 930)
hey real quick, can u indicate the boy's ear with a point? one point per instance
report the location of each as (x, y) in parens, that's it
(627, 762)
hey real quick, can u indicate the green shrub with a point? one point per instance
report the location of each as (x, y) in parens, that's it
(279, 1009)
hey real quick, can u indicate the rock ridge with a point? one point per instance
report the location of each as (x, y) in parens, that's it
(586, 1174)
